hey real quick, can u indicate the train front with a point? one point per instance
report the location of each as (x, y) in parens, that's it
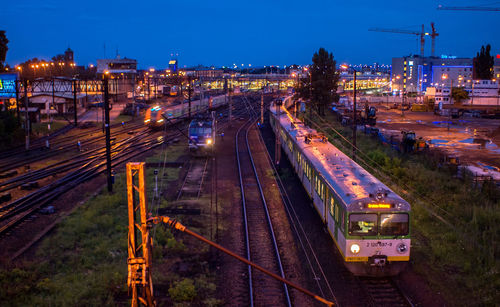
(377, 241)
(201, 136)
(154, 118)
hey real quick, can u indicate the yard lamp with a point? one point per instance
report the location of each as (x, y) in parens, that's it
(345, 67)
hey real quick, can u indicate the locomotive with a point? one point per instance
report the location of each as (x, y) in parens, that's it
(201, 134)
(368, 222)
(153, 117)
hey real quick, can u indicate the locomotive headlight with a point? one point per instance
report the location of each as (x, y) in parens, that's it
(402, 248)
(160, 120)
(355, 248)
(147, 121)
(209, 141)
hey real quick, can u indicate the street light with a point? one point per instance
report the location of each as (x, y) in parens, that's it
(354, 112)
(310, 91)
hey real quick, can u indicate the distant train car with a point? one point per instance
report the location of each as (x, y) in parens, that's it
(202, 132)
(174, 90)
(154, 118)
(369, 223)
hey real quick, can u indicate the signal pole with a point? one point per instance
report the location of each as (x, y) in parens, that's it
(74, 102)
(27, 120)
(108, 132)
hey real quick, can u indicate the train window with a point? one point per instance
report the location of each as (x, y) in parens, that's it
(395, 224)
(337, 213)
(332, 204)
(363, 224)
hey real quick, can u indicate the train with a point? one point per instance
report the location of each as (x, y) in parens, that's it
(368, 222)
(174, 90)
(201, 133)
(154, 118)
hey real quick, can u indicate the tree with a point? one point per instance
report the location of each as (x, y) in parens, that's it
(483, 64)
(320, 87)
(459, 94)
(3, 48)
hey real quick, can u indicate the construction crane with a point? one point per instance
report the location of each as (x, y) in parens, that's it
(468, 8)
(433, 36)
(422, 35)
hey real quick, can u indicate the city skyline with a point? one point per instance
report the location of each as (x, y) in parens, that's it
(223, 33)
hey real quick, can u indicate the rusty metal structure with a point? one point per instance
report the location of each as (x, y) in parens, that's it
(139, 280)
(139, 261)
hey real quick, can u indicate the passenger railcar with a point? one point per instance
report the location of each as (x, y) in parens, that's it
(369, 223)
(201, 132)
(154, 118)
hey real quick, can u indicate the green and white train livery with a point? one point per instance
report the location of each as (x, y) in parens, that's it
(369, 223)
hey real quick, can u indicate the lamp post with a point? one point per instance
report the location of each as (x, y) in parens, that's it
(310, 92)
(296, 77)
(354, 125)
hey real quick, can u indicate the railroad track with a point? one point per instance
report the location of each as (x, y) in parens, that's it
(27, 157)
(384, 292)
(322, 282)
(15, 212)
(260, 241)
(193, 181)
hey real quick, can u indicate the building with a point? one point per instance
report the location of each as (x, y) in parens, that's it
(57, 103)
(118, 67)
(122, 75)
(415, 73)
(481, 93)
(173, 66)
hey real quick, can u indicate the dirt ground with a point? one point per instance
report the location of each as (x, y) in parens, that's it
(475, 141)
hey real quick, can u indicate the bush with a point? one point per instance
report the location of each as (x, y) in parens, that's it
(183, 290)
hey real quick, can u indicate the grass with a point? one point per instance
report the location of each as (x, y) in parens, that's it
(42, 129)
(84, 261)
(461, 258)
(122, 118)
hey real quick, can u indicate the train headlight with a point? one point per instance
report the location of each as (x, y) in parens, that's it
(402, 248)
(147, 121)
(355, 248)
(160, 120)
(209, 141)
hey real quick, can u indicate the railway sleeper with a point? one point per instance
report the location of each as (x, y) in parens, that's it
(5, 197)
(8, 174)
(30, 185)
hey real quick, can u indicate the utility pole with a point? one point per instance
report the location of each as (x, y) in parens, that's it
(230, 102)
(27, 119)
(354, 118)
(277, 151)
(262, 108)
(108, 132)
(189, 97)
(17, 102)
(74, 102)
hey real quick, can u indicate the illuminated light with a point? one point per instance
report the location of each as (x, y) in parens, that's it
(151, 69)
(355, 248)
(379, 206)
(209, 141)
(106, 72)
(160, 120)
(147, 121)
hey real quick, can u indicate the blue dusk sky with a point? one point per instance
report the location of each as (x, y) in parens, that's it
(272, 32)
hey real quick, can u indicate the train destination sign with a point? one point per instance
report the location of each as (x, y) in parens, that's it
(8, 85)
(379, 206)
